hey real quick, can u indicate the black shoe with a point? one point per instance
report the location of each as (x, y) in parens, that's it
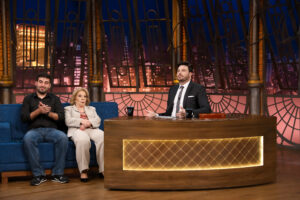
(36, 180)
(84, 172)
(60, 179)
(84, 180)
(100, 175)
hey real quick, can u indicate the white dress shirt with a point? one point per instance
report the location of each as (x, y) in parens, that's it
(185, 86)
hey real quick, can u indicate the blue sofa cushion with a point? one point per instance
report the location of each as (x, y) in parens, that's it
(5, 135)
(12, 156)
(105, 110)
(13, 152)
(11, 113)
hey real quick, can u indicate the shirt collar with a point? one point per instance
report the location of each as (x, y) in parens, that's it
(185, 85)
(76, 109)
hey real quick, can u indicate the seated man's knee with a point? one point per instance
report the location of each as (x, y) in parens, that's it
(29, 137)
(62, 136)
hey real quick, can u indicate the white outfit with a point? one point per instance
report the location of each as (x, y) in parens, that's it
(81, 138)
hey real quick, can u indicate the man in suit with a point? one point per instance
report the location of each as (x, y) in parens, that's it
(185, 95)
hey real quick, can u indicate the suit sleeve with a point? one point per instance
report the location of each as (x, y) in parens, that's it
(70, 120)
(94, 118)
(202, 101)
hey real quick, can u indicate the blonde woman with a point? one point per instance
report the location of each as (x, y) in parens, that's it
(83, 125)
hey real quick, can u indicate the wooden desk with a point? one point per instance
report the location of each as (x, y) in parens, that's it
(173, 154)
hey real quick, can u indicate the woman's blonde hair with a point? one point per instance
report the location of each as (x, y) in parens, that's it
(73, 97)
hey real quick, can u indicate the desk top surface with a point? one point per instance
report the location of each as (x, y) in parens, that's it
(168, 118)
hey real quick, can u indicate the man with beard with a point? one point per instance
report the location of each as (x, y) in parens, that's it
(185, 95)
(43, 112)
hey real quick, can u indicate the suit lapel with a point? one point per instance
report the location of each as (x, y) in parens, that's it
(87, 112)
(188, 90)
(75, 108)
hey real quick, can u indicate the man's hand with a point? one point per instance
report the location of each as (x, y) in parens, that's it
(150, 113)
(181, 114)
(43, 108)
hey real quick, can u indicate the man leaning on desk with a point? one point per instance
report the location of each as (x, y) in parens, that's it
(185, 95)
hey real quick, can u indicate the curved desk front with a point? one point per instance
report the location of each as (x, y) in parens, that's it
(173, 154)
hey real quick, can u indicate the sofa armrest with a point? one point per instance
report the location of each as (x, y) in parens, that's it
(5, 132)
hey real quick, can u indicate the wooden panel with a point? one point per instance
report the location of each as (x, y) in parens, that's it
(165, 129)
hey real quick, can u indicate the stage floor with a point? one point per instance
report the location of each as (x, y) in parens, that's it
(286, 187)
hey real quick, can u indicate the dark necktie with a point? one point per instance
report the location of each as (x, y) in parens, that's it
(178, 99)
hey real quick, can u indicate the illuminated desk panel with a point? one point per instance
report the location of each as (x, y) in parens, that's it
(143, 153)
(197, 154)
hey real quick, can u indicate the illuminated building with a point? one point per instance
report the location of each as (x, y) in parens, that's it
(30, 46)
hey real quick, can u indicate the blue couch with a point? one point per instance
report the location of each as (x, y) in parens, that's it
(12, 130)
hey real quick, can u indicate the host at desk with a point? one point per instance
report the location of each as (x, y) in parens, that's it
(185, 95)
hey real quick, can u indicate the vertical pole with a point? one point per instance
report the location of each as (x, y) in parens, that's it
(184, 51)
(5, 79)
(261, 60)
(175, 37)
(95, 78)
(254, 79)
(298, 61)
(5, 70)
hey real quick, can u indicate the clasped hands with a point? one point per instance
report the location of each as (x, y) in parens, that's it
(181, 114)
(85, 124)
(43, 108)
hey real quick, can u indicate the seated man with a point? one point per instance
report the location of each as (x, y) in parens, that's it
(42, 111)
(186, 94)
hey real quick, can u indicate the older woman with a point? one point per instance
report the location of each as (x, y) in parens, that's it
(83, 125)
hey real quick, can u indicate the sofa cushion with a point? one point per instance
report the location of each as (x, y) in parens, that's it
(5, 135)
(13, 152)
(105, 110)
(12, 113)
(13, 158)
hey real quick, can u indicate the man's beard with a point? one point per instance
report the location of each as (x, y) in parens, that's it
(183, 79)
(42, 92)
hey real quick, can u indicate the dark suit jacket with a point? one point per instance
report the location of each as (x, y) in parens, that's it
(195, 98)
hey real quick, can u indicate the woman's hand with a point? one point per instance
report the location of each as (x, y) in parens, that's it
(82, 127)
(86, 123)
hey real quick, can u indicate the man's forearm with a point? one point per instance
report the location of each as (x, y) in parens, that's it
(53, 115)
(34, 114)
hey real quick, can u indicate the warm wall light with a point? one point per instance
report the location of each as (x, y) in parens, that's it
(189, 155)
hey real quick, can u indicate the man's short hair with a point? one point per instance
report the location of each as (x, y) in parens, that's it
(187, 63)
(43, 75)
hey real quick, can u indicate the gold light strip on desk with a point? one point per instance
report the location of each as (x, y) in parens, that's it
(195, 154)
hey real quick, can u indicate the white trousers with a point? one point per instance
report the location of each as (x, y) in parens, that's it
(82, 143)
